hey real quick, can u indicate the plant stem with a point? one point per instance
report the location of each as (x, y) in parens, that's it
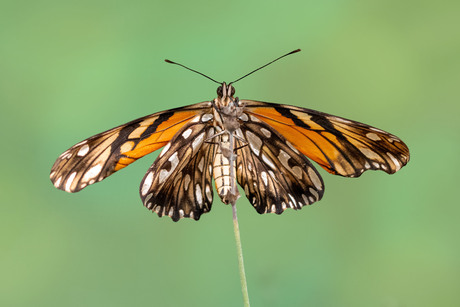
(244, 285)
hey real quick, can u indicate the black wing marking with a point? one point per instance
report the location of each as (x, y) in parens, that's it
(341, 146)
(273, 174)
(179, 183)
(101, 155)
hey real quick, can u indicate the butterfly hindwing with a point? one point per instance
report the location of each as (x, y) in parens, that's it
(341, 146)
(179, 183)
(274, 174)
(101, 155)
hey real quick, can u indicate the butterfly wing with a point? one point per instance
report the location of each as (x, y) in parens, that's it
(101, 155)
(179, 183)
(273, 173)
(341, 146)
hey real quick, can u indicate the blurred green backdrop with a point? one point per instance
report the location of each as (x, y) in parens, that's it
(71, 69)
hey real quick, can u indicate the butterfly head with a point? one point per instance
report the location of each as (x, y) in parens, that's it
(225, 97)
(225, 90)
(227, 108)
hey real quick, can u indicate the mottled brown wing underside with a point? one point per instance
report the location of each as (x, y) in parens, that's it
(341, 146)
(179, 182)
(273, 173)
(101, 155)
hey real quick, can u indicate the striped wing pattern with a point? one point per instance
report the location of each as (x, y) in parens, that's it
(341, 146)
(179, 183)
(101, 155)
(273, 173)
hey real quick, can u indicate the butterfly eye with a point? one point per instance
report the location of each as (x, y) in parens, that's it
(219, 91)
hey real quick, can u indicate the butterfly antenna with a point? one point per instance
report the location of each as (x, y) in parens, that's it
(292, 52)
(171, 62)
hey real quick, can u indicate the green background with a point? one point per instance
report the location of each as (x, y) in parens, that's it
(71, 69)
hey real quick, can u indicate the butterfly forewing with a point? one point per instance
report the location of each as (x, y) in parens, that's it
(273, 174)
(179, 183)
(339, 145)
(101, 155)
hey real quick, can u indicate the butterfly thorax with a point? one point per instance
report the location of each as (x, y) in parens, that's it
(227, 109)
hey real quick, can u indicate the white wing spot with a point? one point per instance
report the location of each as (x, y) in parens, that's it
(292, 198)
(284, 158)
(314, 178)
(395, 161)
(314, 193)
(93, 172)
(264, 178)
(207, 117)
(147, 183)
(254, 119)
(339, 119)
(181, 213)
(369, 153)
(195, 119)
(239, 133)
(373, 136)
(165, 149)
(297, 171)
(186, 181)
(268, 161)
(146, 201)
(266, 132)
(208, 193)
(198, 140)
(187, 133)
(198, 195)
(58, 182)
(254, 142)
(210, 132)
(244, 117)
(83, 150)
(69, 181)
(164, 173)
(201, 164)
(273, 208)
(305, 199)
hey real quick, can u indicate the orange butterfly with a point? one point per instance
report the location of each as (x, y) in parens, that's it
(261, 145)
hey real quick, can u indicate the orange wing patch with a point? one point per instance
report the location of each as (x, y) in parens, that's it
(340, 146)
(101, 155)
(162, 135)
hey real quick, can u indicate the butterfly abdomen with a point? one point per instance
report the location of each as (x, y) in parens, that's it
(222, 171)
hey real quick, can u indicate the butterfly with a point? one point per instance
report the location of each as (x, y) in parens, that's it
(262, 146)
